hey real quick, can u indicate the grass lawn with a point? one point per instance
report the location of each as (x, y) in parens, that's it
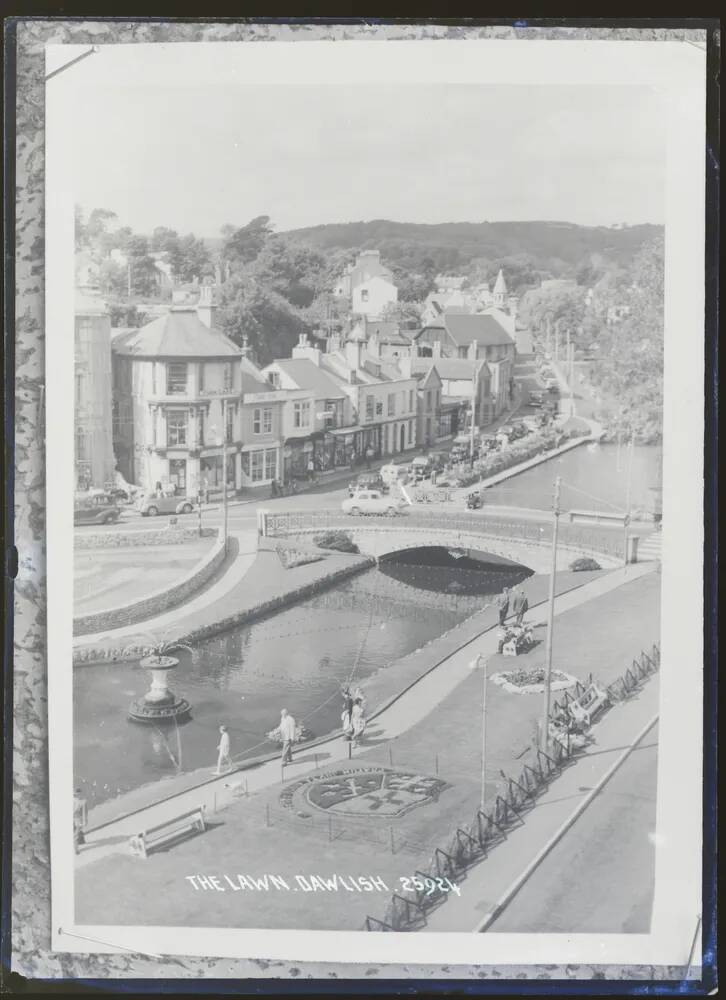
(109, 578)
(264, 835)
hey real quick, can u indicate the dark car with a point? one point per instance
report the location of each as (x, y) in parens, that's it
(367, 481)
(95, 508)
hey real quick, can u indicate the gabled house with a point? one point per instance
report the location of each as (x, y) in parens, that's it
(475, 337)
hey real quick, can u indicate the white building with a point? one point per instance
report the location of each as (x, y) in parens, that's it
(371, 297)
(177, 385)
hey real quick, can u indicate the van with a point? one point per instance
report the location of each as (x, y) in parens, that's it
(392, 474)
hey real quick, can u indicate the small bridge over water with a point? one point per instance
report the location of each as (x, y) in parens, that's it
(516, 539)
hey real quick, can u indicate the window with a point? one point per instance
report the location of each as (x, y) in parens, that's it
(176, 379)
(274, 378)
(230, 469)
(201, 377)
(370, 402)
(227, 376)
(257, 466)
(79, 386)
(410, 399)
(379, 408)
(271, 463)
(176, 428)
(201, 428)
(391, 404)
(262, 421)
(428, 399)
(230, 424)
(364, 295)
(410, 432)
(301, 414)
(153, 378)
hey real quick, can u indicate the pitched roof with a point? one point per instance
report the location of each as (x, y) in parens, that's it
(252, 378)
(463, 328)
(306, 374)
(449, 368)
(179, 333)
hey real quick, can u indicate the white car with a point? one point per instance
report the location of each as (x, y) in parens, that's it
(373, 502)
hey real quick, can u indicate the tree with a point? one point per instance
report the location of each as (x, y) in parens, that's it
(405, 313)
(243, 245)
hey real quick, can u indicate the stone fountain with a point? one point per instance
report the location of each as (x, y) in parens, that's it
(159, 704)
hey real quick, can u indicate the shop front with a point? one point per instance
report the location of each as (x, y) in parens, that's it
(298, 453)
(260, 465)
(349, 445)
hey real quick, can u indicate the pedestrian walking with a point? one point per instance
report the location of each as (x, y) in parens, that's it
(347, 700)
(224, 758)
(287, 732)
(503, 606)
(369, 456)
(80, 819)
(519, 605)
(358, 721)
(311, 470)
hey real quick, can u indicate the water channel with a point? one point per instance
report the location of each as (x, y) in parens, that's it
(298, 658)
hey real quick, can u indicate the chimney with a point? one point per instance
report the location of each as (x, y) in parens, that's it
(472, 352)
(205, 306)
(304, 351)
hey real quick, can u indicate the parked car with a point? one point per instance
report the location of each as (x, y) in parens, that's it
(438, 459)
(95, 508)
(372, 502)
(152, 505)
(367, 481)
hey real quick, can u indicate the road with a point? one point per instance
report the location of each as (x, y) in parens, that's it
(599, 878)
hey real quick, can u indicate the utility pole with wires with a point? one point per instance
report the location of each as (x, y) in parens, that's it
(628, 489)
(474, 393)
(544, 735)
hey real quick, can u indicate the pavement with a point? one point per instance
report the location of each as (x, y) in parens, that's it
(618, 830)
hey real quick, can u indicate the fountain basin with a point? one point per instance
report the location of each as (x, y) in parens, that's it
(159, 704)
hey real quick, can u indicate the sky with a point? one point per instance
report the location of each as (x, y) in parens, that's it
(161, 144)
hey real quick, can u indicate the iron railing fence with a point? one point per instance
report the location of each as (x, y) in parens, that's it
(596, 538)
(471, 843)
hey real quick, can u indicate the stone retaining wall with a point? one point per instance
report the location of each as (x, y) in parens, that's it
(126, 651)
(155, 603)
(167, 535)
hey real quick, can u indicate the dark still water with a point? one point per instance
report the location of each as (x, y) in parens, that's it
(296, 659)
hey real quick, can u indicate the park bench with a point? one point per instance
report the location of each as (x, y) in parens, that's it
(166, 833)
(589, 705)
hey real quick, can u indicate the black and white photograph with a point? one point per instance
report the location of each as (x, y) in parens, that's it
(375, 399)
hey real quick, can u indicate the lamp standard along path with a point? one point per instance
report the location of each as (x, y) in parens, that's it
(544, 736)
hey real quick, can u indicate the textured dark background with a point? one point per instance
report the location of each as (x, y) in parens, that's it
(31, 956)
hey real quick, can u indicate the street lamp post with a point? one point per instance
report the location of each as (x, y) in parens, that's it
(544, 735)
(626, 522)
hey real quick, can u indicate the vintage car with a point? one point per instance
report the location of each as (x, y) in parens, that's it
(95, 508)
(154, 504)
(373, 502)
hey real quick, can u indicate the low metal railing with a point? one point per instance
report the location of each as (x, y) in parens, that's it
(591, 538)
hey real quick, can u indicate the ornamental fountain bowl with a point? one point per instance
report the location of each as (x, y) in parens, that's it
(159, 704)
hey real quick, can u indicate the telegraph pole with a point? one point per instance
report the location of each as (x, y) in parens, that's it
(628, 497)
(544, 736)
(474, 392)
(224, 470)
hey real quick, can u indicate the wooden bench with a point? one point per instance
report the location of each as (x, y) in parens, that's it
(165, 833)
(589, 705)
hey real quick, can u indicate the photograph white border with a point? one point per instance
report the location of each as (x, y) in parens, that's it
(678, 70)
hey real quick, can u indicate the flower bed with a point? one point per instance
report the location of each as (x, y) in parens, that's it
(338, 541)
(530, 680)
(584, 564)
(290, 558)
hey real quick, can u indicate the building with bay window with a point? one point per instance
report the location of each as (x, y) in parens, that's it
(176, 389)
